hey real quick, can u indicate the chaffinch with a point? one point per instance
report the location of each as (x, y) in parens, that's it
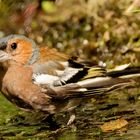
(40, 78)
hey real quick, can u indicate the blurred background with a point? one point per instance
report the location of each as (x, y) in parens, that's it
(102, 32)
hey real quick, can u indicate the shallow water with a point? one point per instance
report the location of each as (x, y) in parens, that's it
(16, 124)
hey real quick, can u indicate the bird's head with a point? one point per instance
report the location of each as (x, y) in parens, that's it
(18, 49)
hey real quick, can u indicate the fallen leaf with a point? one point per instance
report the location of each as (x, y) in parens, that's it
(114, 125)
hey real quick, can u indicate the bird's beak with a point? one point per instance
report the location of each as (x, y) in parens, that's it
(4, 56)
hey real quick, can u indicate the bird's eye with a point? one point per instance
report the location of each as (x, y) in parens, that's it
(14, 46)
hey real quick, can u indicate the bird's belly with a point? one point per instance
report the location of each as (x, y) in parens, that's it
(44, 79)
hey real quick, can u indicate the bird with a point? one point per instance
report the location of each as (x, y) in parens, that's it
(46, 80)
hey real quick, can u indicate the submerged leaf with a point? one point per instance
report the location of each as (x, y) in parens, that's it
(114, 125)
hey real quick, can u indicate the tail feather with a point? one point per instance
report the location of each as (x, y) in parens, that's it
(98, 85)
(112, 78)
(112, 81)
(76, 91)
(130, 72)
(102, 82)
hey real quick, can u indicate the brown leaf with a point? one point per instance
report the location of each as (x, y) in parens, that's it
(114, 125)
